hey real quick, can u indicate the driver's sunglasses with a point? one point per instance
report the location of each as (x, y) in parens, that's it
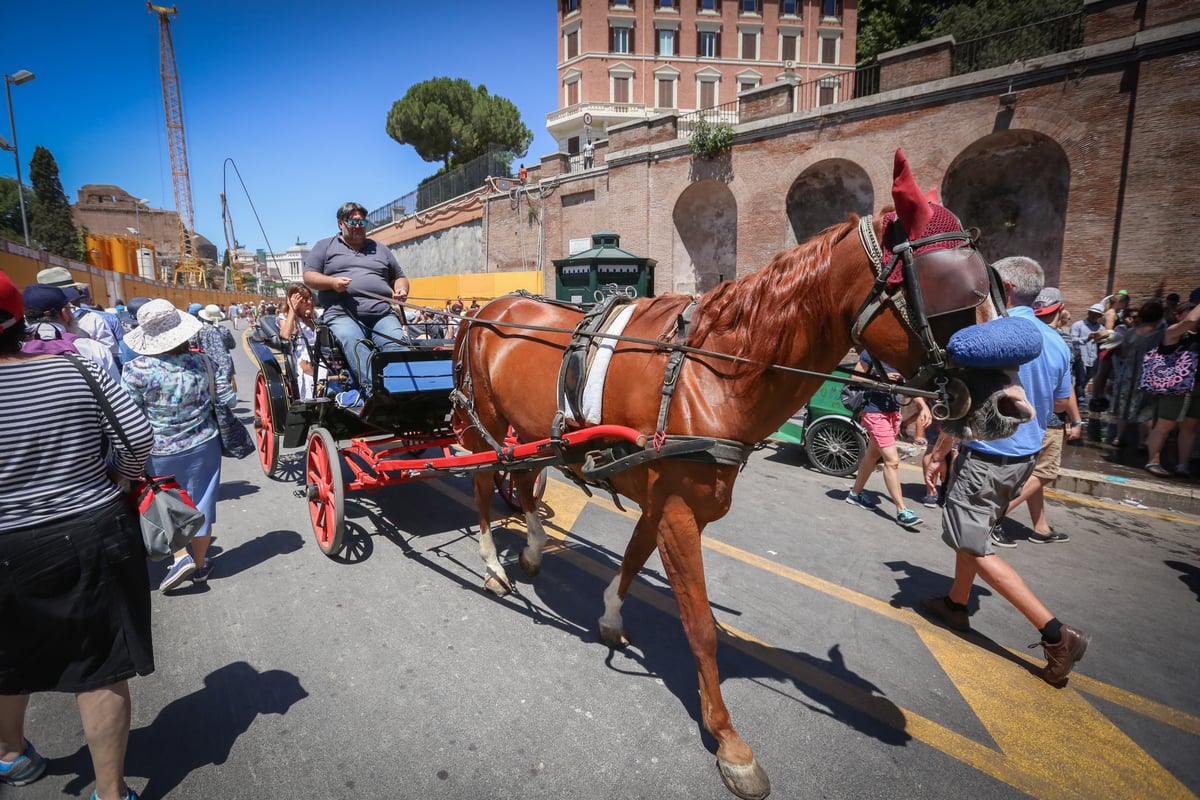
(356, 223)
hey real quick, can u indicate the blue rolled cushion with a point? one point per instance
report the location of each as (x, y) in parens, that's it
(1003, 342)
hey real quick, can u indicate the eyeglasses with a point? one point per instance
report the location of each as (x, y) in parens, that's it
(356, 223)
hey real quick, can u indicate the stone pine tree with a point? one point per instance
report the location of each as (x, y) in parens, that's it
(451, 121)
(50, 218)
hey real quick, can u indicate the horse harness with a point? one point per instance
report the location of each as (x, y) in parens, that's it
(949, 280)
(596, 467)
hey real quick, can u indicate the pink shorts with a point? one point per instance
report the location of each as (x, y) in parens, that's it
(882, 427)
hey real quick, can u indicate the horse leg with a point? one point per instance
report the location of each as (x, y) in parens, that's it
(535, 542)
(679, 548)
(641, 545)
(494, 580)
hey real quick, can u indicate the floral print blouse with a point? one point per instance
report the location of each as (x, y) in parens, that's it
(173, 392)
(210, 339)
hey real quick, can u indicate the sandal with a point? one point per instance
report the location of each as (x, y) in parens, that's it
(1155, 468)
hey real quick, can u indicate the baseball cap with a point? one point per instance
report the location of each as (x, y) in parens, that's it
(12, 305)
(41, 299)
(1047, 302)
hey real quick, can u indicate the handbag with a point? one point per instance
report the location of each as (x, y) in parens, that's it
(236, 441)
(853, 398)
(1170, 373)
(168, 517)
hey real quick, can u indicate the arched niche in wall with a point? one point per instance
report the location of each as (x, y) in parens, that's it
(705, 219)
(826, 194)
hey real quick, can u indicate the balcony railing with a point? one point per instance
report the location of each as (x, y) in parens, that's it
(616, 109)
(726, 112)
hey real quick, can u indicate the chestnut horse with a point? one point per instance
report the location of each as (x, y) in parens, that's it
(798, 311)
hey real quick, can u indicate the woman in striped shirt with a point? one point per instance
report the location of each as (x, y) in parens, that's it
(74, 591)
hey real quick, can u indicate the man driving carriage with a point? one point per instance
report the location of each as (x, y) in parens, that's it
(352, 276)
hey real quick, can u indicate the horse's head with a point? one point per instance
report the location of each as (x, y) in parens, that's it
(936, 313)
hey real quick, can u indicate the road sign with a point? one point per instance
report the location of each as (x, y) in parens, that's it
(587, 118)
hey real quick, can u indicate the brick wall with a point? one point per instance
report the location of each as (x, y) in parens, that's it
(918, 63)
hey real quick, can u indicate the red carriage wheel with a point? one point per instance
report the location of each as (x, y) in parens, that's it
(326, 493)
(507, 487)
(264, 429)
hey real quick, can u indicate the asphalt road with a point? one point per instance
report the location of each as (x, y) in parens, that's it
(390, 673)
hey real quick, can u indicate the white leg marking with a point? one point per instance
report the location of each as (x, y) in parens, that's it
(536, 540)
(611, 621)
(487, 551)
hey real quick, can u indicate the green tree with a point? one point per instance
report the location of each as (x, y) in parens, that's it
(448, 120)
(885, 25)
(50, 221)
(10, 210)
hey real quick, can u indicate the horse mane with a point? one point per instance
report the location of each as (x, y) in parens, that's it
(756, 310)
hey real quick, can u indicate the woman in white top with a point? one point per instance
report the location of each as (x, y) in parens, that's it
(297, 324)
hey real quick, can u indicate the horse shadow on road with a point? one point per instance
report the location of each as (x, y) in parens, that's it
(568, 595)
(195, 730)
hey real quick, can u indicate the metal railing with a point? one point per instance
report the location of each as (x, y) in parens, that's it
(726, 112)
(496, 162)
(1053, 35)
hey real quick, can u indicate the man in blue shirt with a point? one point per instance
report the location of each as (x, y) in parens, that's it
(353, 276)
(988, 475)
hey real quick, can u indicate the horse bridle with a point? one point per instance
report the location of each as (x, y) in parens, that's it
(909, 301)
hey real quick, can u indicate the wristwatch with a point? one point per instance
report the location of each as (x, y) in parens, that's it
(1077, 423)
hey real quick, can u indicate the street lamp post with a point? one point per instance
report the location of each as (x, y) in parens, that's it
(18, 77)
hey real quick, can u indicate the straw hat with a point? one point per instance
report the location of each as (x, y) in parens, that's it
(211, 313)
(161, 327)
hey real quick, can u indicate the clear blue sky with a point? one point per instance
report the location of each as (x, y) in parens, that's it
(296, 93)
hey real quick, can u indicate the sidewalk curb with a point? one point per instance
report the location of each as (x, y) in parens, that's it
(1183, 498)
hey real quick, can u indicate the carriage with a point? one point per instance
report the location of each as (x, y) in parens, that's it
(692, 385)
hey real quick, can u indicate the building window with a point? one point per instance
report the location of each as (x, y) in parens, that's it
(708, 44)
(570, 6)
(666, 42)
(666, 92)
(790, 8)
(709, 5)
(751, 6)
(572, 44)
(572, 93)
(749, 46)
(620, 40)
(621, 89)
(827, 90)
(667, 5)
(788, 46)
(624, 4)
(708, 94)
(831, 8)
(746, 86)
(829, 48)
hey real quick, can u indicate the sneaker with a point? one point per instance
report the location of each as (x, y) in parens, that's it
(130, 794)
(1049, 538)
(1061, 657)
(201, 574)
(1000, 539)
(25, 768)
(907, 519)
(930, 501)
(954, 618)
(862, 500)
(349, 399)
(177, 573)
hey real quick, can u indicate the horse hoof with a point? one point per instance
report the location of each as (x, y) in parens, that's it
(531, 570)
(747, 781)
(614, 637)
(496, 586)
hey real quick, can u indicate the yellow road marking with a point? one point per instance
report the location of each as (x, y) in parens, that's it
(1038, 729)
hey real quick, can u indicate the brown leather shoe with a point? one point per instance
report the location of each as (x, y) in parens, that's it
(951, 617)
(1061, 657)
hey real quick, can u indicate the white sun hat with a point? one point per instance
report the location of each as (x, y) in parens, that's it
(211, 313)
(161, 327)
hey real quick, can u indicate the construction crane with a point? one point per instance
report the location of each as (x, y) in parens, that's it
(231, 247)
(188, 270)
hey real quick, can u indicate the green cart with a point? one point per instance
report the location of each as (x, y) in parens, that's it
(832, 440)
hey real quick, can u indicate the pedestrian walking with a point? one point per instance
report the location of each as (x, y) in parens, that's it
(987, 475)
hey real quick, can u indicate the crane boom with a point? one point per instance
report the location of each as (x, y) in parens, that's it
(189, 270)
(231, 247)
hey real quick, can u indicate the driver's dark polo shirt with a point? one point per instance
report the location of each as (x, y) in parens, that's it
(371, 270)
